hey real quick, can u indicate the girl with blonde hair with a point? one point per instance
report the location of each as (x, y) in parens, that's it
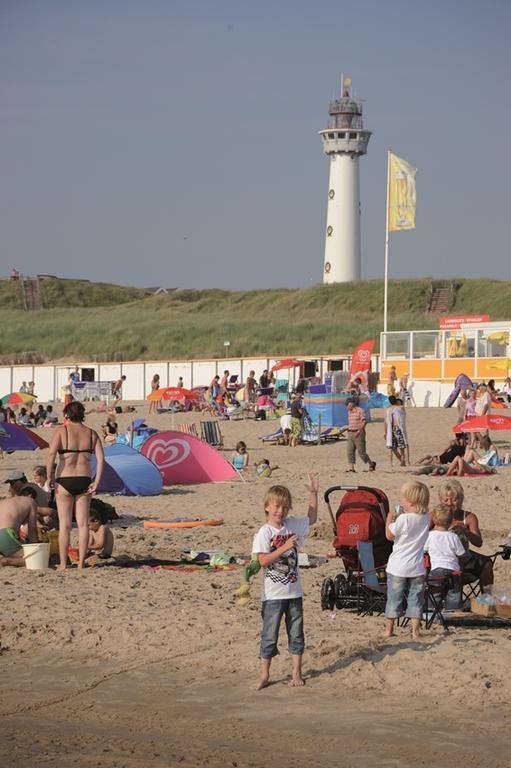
(408, 527)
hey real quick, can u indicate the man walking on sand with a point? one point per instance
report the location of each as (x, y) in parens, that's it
(117, 388)
(357, 435)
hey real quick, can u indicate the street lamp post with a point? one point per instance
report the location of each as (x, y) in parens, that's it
(227, 344)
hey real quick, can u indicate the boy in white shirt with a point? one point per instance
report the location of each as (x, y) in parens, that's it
(444, 548)
(276, 546)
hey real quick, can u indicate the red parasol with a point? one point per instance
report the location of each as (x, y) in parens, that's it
(491, 421)
(289, 362)
(173, 393)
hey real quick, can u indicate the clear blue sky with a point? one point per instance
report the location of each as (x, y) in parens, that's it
(174, 142)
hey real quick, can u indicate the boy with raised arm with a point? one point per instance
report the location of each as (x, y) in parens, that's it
(276, 546)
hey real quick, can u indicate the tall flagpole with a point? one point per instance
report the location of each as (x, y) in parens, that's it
(385, 289)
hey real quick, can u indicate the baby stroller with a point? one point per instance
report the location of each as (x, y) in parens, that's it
(359, 528)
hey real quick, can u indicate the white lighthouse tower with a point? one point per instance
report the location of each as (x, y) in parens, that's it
(343, 141)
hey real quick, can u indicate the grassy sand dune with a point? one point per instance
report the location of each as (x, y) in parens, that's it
(116, 323)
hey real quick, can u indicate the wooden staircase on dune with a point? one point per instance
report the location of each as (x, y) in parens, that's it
(31, 293)
(440, 299)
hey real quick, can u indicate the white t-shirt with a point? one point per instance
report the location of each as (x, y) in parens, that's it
(482, 401)
(281, 579)
(285, 421)
(444, 548)
(411, 532)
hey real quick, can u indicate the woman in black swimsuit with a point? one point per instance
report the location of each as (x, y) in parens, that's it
(74, 443)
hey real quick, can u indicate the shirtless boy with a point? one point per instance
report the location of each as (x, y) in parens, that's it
(101, 538)
(15, 512)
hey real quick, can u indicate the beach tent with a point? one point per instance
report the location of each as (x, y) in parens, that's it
(378, 400)
(185, 460)
(330, 408)
(15, 437)
(128, 473)
(137, 435)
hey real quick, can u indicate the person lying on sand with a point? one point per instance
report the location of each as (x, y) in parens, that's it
(263, 468)
(455, 448)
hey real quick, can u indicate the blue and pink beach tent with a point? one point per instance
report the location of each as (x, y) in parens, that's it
(185, 460)
(15, 437)
(128, 473)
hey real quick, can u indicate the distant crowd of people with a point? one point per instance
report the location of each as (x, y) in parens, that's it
(42, 416)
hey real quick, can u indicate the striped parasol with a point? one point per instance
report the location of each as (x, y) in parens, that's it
(18, 398)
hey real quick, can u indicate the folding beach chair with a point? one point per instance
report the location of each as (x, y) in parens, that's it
(332, 434)
(310, 432)
(436, 590)
(210, 433)
(274, 437)
(372, 589)
(470, 579)
(189, 429)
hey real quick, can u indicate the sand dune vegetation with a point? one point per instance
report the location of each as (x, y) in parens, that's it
(113, 322)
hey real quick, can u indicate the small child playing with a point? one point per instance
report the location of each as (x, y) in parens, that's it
(276, 546)
(240, 457)
(101, 538)
(444, 548)
(405, 568)
(263, 468)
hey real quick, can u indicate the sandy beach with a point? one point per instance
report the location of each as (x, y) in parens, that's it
(130, 667)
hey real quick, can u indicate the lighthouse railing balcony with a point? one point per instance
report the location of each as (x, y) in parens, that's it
(345, 121)
(345, 105)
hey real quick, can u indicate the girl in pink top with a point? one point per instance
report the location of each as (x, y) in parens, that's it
(470, 413)
(470, 405)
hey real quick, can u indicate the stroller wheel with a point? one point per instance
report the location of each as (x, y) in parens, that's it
(327, 595)
(340, 590)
